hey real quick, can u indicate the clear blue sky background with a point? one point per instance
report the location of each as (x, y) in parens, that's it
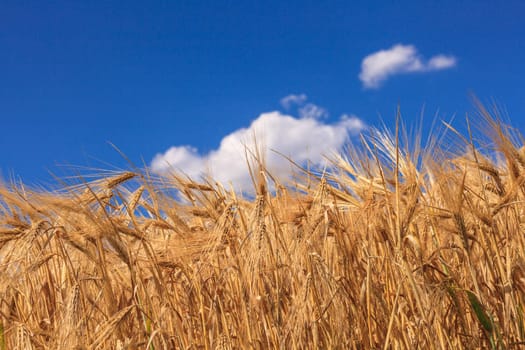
(149, 75)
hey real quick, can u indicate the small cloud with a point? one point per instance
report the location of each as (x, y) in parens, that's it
(308, 110)
(399, 59)
(298, 138)
(292, 99)
(441, 62)
(311, 110)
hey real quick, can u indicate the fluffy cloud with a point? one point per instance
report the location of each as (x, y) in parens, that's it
(302, 139)
(399, 59)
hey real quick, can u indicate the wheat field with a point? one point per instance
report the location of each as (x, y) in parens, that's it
(394, 246)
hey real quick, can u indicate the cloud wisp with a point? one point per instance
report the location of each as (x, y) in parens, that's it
(305, 110)
(288, 101)
(311, 110)
(301, 139)
(399, 59)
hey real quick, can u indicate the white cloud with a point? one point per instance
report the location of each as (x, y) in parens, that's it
(353, 124)
(441, 62)
(311, 110)
(399, 59)
(293, 99)
(301, 139)
(305, 110)
(184, 157)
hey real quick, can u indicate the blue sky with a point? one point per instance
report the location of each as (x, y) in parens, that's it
(186, 75)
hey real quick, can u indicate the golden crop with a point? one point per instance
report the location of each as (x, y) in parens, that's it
(396, 247)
